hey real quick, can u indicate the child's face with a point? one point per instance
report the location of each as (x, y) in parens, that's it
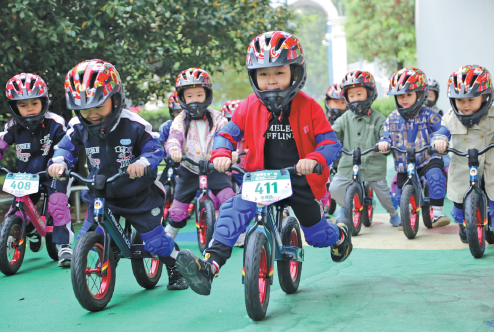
(273, 78)
(337, 104)
(98, 114)
(357, 94)
(407, 100)
(432, 96)
(29, 107)
(194, 95)
(176, 113)
(469, 106)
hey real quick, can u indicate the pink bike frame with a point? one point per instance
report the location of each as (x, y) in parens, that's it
(39, 222)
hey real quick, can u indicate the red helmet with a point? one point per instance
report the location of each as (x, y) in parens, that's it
(229, 107)
(408, 80)
(194, 78)
(27, 86)
(334, 92)
(273, 49)
(469, 82)
(173, 104)
(89, 84)
(355, 79)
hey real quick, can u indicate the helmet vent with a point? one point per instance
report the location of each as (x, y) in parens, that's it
(474, 78)
(31, 85)
(92, 80)
(280, 42)
(15, 85)
(257, 46)
(72, 83)
(268, 40)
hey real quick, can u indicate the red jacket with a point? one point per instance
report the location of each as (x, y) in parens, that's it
(314, 137)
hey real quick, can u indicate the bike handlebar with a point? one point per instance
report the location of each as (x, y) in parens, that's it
(459, 153)
(45, 173)
(350, 153)
(292, 169)
(113, 178)
(404, 151)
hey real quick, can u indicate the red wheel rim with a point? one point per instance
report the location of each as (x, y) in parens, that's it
(356, 210)
(413, 212)
(15, 242)
(97, 283)
(263, 276)
(190, 208)
(202, 227)
(480, 227)
(293, 264)
(151, 266)
(370, 208)
(431, 213)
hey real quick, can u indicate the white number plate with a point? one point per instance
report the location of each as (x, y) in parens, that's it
(266, 187)
(21, 184)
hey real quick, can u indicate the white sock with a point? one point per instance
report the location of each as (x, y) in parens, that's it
(172, 231)
(437, 211)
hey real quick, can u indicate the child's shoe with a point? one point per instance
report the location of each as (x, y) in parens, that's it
(395, 220)
(199, 273)
(36, 241)
(64, 255)
(240, 241)
(463, 234)
(440, 220)
(342, 249)
(175, 279)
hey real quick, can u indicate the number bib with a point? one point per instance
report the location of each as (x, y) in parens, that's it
(21, 184)
(266, 187)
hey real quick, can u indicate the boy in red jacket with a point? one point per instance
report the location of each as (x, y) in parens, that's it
(282, 126)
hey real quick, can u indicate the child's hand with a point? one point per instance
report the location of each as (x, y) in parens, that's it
(383, 146)
(222, 164)
(56, 170)
(136, 170)
(441, 146)
(305, 166)
(176, 156)
(234, 157)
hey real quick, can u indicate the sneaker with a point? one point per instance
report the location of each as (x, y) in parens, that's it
(463, 234)
(175, 279)
(240, 241)
(395, 220)
(341, 251)
(197, 272)
(286, 212)
(440, 221)
(341, 216)
(64, 255)
(36, 241)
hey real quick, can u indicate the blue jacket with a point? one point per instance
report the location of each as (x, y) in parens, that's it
(130, 141)
(34, 149)
(415, 133)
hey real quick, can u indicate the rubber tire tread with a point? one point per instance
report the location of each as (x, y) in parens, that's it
(210, 221)
(51, 247)
(406, 194)
(139, 268)
(255, 243)
(5, 266)
(349, 207)
(426, 209)
(470, 213)
(366, 221)
(288, 285)
(332, 207)
(78, 274)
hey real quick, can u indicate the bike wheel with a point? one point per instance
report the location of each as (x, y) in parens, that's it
(474, 225)
(409, 212)
(51, 247)
(353, 208)
(256, 276)
(427, 213)
(368, 210)
(289, 272)
(147, 271)
(205, 223)
(489, 235)
(12, 245)
(332, 206)
(92, 288)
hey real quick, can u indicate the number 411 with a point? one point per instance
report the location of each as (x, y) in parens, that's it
(259, 188)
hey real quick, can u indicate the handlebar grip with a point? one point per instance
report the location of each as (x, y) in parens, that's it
(147, 171)
(318, 169)
(376, 148)
(211, 168)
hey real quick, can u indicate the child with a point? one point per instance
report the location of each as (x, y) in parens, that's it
(335, 103)
(361, 128)
(411, 125)
(469, 124)
(192, 132)
(35, 131)
(282, 127)
(433, 96)
(116, 139)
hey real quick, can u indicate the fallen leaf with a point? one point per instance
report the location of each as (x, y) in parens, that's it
(21, 299)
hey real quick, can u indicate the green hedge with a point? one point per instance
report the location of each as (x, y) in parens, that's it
(156, 118)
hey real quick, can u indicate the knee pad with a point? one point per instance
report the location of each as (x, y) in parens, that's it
(225, 194)
(179, 211)
(457, 215)
(321, 235)
(235, 214)
(214, 199)
(158, 242)
(437, 183)
(57, 207)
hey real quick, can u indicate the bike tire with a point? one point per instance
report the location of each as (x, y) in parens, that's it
(353, 208)
(368, 210)
(147, 271)
(12, 245)
(332, 206)
(256, 276)
(51, 247)
(205, 223)
(289, 271)
(474, 225)
(88, 254)
(408, 210)
(427, 209)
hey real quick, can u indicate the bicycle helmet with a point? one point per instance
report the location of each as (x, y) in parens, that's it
(173, 104)
(433, 86)
(89, 84)
(355, 79)
(334, 92)
(194, 78)
(469, 82)
(408, 80)
(273, 49)
(229, 107)
(27, 86)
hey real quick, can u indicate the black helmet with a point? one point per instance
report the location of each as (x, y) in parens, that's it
(433, 86)
(334, 92)
(409, 80)
(356, 79)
